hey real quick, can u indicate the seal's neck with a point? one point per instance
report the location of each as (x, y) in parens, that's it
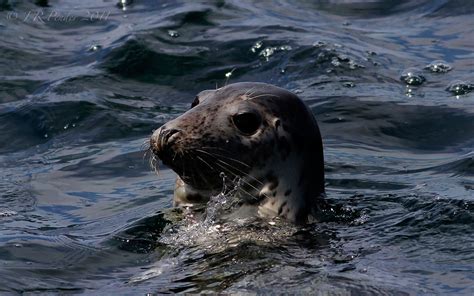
(300, 183)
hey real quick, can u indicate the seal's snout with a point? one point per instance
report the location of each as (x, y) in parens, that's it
(162, 140)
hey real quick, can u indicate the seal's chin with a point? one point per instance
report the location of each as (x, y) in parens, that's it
(193, 170)
(200, 180)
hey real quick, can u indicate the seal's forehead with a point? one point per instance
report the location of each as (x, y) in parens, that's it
(206, 93)
(247, 90)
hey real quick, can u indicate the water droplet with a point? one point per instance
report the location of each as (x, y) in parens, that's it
(66, 126)
(439, 66)
(348, 84)
(354, 65)
(228, 74)
(173, 33)
(343, 58)
(297, 91)
(410, 92)
(269, 51)
(412, 76)
(123, 4)
(319, 44)
(7, 213)
(95, 47)
(335, 62)
(458, 87)
(256, 46)
(346, 23)
(45, 135)
(285, 47)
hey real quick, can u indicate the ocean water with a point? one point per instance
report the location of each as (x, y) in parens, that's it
(84, 83)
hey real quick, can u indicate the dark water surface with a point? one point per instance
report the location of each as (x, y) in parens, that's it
(84, 83)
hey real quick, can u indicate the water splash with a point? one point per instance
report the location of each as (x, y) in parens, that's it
(196, 227)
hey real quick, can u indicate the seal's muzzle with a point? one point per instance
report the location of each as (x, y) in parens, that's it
(162, 143)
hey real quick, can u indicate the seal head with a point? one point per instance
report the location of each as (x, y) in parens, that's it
(260, 134)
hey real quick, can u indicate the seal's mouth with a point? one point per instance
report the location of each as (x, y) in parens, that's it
(195, 171)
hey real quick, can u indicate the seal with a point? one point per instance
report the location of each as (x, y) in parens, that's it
(259, 134)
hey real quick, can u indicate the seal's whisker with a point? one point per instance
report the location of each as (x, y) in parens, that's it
(192, 174)
(228, 166)
(223, 156)
(189, 139)
(179, 141)
(205, 162)
(249, 92)
(184, 172)
(216, 155)
(248, 193)
(174, 156)
(210, 166)
(149, 159)
(153, 164)
(242, 180)
(240, 171)
(150, 163)
(145, 154)
(263, 95)
(146, 148)
(146, 142)
(243, 173)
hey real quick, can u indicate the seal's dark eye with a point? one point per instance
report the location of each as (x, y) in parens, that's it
(247, 122)
(195, 102)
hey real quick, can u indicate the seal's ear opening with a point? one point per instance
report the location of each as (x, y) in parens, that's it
(276, 123)
(247, 122)
(195, 102)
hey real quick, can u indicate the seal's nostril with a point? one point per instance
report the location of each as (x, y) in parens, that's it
(166, 136)
(161, 142)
